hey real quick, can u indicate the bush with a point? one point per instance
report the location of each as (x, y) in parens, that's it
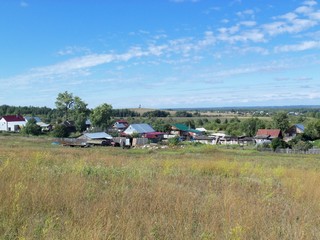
(174, 141)
(278, 143)
(302, 146)
(60, 131)
(31, 128)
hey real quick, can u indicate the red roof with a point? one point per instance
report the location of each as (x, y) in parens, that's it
(269, 132)
(153, 134)
(14, 118)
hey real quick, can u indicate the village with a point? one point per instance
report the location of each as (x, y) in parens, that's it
(127, 135)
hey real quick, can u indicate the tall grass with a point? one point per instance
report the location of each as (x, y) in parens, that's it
(198, 192)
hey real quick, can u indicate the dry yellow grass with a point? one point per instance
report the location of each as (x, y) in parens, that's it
(51, 192)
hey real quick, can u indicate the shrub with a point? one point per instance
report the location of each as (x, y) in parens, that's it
(174, 141)
(31, 128)
(60, 131)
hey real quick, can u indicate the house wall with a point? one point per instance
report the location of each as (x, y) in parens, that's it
(15, 126)
(11, 126)
(130, 130)
(3, 125)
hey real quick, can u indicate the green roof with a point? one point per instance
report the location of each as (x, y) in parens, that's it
(183, 127)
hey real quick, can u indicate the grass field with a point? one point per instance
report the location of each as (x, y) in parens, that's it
(196, 192)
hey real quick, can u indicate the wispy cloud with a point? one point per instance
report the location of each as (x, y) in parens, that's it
(307, 45)
(182, 1)
(24, 4)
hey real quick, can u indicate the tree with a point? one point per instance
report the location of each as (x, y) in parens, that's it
(64, 102)
(313, 129)
(281, 121)
(60, 131)
(278, 143)
(302, 146)
(156, 113)
(250, 126)
(183, 114)
(73, 108)
(80, 114)
(101, 115)
(31, 128)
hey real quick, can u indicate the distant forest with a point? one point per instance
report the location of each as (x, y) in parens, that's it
(48, 114)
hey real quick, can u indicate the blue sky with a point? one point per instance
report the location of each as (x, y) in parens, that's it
(161, 53)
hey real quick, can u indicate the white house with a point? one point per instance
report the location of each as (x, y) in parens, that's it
(12, 123)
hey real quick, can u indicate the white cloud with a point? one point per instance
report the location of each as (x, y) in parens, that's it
(248, 12)
(72, 50)
(310, 3)
(307, 45)
(248, 23)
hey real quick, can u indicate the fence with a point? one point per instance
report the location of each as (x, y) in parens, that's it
(292, 151)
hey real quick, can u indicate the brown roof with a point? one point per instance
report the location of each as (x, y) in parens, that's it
(269, 132)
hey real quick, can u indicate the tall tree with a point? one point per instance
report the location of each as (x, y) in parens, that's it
(80, 113)
(101, 115)
(281, 121)
(64, 102)
(250, 126)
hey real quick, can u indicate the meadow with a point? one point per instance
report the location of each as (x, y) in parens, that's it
(194, 192)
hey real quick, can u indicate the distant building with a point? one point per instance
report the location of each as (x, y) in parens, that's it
(295, 130)
(12, 123)
(266, 135)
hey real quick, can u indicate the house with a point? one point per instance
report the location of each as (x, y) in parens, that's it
(184, 131)
(12, 123)
(266, 135)
(88, 124)
(70, 126)
(295, 130)
(141, 128)
(120, 125)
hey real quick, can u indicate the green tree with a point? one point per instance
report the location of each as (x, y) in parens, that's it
(183, 114)
(281, 121)
(80, 113)
(31, 128)
(74, 108)
(302, 145)
(313, 129)
(250, 126)
(64, 102)
(101, 116)
(278, 143)
(60, 131)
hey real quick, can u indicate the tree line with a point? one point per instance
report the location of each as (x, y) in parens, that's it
(72, 108)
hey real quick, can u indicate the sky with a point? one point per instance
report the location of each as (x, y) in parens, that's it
(160, 53)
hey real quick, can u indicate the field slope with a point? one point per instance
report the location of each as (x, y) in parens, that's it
(196, 192)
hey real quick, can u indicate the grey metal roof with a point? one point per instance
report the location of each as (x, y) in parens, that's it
(139, 128)
(37, 119)
(97, 135)
(300, 126)
(119, 125)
